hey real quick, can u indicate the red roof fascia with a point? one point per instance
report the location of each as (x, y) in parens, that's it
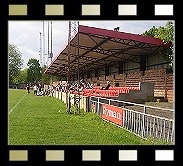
(122, 35)
(57, 55)
(63, 48)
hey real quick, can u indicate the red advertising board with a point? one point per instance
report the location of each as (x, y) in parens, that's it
(112, 113)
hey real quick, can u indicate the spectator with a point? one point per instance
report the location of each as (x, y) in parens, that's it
(75, 86)
(28, 88)
(57, 88)
(41, 93)
(107, 87)
(39, 88)
(35, 89)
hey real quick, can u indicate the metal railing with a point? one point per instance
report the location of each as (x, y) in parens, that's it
(146, 125)
(140, 123)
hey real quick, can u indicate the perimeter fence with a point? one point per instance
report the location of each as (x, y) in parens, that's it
(143, 120)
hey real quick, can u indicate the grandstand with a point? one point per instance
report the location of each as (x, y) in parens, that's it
(123, 59)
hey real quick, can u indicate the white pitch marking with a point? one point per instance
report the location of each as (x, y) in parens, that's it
(16, 104)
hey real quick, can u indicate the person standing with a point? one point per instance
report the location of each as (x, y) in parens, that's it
(28, 88)
(35, 89)
(39, 87)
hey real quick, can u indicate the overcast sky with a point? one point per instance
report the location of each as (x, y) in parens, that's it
(25, 34)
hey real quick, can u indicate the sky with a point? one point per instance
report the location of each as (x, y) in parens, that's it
(26, 34)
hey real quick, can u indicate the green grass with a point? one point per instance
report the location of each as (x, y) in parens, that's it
(37, 121)
(14, 96)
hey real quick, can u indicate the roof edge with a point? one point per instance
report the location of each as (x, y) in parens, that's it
(122, 35)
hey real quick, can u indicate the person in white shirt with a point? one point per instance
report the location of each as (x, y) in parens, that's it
(35, 89)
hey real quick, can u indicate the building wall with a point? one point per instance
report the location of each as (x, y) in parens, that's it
(113, 70)
(156, 62)
(130, 67)
(152, 62)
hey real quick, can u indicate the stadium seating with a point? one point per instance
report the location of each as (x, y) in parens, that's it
(112, 92)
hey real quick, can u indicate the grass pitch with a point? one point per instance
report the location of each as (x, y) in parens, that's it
(36, 120)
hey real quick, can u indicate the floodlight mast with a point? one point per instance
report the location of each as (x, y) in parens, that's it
(73, 27)
(68, 72)
(48, 45)
(40, 51)
(43, 47)
(78, 69)
(51, 55)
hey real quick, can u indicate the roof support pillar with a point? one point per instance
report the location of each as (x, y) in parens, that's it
(88, 74)
(82, 75)
(106, 70)
(142, 63)
(68, 72)
(120, 67)
(96, 72)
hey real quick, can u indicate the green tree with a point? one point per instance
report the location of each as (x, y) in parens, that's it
(15, 62)
(167, 35)
(151, 32)
(34, 71)
(21, 78)
(47, 79)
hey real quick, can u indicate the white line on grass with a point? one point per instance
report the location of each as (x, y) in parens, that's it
(16, 104)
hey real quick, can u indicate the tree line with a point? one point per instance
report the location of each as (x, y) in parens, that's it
(33, 74)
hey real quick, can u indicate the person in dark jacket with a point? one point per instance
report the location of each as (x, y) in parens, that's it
(107, 87)
(39, 88)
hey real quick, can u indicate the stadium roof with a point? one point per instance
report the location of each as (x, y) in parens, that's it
(103, 47)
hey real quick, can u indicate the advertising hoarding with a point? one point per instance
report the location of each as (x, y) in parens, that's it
(112, 113)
